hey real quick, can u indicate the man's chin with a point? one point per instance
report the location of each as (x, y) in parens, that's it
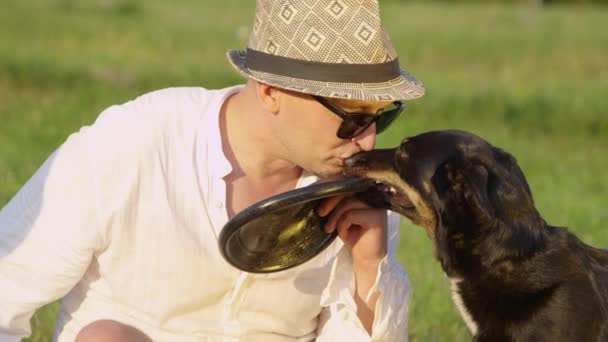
(329, 172)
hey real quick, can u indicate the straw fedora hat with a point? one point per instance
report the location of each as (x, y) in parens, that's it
(330, 48)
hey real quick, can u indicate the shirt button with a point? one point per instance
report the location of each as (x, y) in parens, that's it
(219, 204)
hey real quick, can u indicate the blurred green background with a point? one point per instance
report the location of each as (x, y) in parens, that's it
(530, 77)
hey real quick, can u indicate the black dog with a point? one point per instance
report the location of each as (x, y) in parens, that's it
(513, 276)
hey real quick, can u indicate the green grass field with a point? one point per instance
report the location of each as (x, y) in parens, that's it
(533, 81)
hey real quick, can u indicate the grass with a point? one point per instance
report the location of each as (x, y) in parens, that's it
(531, 80)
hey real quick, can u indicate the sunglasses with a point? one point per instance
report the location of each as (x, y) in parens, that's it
(354, 124)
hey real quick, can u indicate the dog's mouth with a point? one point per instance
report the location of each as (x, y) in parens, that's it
(385, 195)
(389, 191)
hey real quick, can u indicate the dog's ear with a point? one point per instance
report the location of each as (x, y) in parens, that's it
(486, 188)
(476, 193)
(463, 209)
(508, 163)
(462, 194)
(485, 194)
(508, 190)
(515, 216)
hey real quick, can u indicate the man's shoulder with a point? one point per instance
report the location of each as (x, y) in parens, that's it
(159, 109)
(168, 105)
(174, 96)
(144, 120)
(161, 117)
(169, 101)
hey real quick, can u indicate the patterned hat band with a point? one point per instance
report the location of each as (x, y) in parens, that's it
(322, 72)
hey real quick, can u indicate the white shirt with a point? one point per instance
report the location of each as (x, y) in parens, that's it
(122, 223)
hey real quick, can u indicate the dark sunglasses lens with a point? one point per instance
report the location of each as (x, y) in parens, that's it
(386, 118)
(353, 125)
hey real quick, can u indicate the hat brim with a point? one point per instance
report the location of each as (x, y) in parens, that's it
(404, 87)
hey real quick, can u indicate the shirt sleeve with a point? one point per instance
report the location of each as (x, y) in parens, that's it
(47, 236)
(338, 320)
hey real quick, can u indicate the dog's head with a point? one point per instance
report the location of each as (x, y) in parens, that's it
(448, 182)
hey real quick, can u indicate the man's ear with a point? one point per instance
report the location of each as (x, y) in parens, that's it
(268, 96)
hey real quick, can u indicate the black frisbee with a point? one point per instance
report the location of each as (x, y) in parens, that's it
(283, 231)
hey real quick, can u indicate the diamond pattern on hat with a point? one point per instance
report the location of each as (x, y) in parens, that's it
(314, 39)
(362, 36)
(336, 9)
(337, 21)
(283, 31)
(314, 28)
(326, 31)
(272, 47)
(365, 33)
(287, 13)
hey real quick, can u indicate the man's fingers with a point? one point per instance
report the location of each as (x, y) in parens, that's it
(352, 224)
(358, 224)
(338, 213)
(327, 205)
(357, 217)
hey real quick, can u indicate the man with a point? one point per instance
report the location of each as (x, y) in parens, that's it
(121, 222)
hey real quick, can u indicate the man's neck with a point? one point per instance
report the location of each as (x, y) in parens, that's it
(258, 170)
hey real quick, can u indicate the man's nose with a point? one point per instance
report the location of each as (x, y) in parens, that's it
(366, 140)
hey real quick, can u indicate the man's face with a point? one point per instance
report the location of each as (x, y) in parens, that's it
(308, 132)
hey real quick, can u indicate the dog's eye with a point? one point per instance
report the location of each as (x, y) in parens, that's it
(401, 152)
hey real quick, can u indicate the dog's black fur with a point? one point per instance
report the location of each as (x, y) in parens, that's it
(514, 277)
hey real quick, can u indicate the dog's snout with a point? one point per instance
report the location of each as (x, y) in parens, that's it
(366, 162)
(355, 159)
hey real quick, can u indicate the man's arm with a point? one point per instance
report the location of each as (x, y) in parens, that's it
(381, 306)
(366, 295)
(47, 237)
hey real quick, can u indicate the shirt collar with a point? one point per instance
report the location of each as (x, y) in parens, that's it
(218, 165)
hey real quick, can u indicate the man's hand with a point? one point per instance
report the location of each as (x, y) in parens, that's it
(364, 232)
(362, 229)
